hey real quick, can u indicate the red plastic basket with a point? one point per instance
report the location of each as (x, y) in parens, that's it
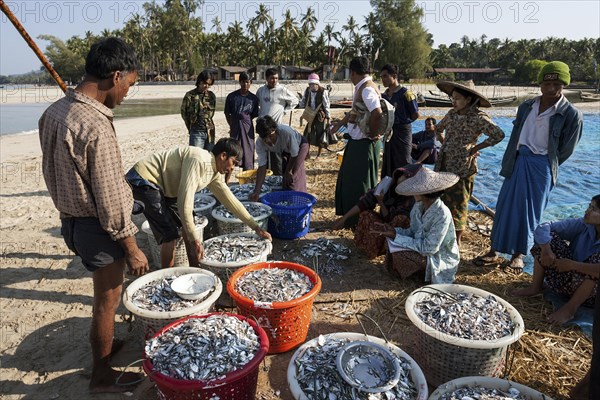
(236, 385)
(286, 323)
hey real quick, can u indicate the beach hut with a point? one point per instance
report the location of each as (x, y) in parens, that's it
(477, 75)
(230, 73)
(298, 73)
(259, 71)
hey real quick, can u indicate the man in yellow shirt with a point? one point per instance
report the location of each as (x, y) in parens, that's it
(166, 182)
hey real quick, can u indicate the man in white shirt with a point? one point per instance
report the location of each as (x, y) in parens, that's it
(275, 100)
(286, 141)
(360, 164)
(545, 134)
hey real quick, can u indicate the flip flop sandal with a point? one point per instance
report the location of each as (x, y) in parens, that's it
(483, 260)
(516, 266)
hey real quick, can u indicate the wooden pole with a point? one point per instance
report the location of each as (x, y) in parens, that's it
(32, 44)
(488, 210)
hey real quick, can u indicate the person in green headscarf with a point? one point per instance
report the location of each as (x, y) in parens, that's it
(545, 133)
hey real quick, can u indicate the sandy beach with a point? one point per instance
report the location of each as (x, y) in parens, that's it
(46, 294)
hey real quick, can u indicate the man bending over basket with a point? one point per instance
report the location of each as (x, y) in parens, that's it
(293, 147)
(166, 182)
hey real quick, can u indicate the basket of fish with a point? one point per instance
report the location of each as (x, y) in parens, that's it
(225, 254)
(155, 304)
(275, 182)
(279, 295)
(229, 223)
(461, 331)
(203, 204)
(206, 357)
(314, 372)
(291, 213)
(180, 252)
(241, 192)
(482, 387)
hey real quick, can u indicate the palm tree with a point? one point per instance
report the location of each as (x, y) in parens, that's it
(309, 20)
(262, 20)
(235, 43)
(289, 34)
(350, 26)
(216, 25)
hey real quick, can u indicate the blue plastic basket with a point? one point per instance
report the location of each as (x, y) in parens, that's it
(292, 220)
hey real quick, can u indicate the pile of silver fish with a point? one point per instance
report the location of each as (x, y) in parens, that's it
(158, 296)
(225, 249)
(274, 181)
(273, 284)
(205, 191)
(256, 210)
(466, 315)
(203, 202)
(318, 377)
(327, 247)
(324, 255)
(482, 393)
(241, 192)
(203, 348)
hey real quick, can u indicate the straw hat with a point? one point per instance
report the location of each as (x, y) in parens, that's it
(447, 87)
(426, 181)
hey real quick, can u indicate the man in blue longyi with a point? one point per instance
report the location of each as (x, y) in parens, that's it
(545, 134)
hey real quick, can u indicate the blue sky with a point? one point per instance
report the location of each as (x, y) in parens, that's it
(448, 21)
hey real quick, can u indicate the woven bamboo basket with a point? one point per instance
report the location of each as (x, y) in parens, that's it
(150, 322)
(204, 211)
(181, 258)
(488, 383)
(444, 357)
(225, 270)
(415, 373)
(227, 226)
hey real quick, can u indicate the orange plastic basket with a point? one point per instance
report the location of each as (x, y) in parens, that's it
(286, 323)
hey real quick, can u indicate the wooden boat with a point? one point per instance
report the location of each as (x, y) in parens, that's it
(586, 96)
(341, 104)
(435, 100)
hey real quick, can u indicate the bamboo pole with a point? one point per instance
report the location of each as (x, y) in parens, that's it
(32, 44)
(488, 210)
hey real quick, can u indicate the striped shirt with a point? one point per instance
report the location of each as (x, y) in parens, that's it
(82, 166)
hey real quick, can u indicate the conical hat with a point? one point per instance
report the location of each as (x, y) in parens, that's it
(447, 87)
(426, 181)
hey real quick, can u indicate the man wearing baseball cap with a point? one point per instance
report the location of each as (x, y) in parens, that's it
(545, 133)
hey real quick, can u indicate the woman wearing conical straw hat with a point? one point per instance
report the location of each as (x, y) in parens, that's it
(429, 243)
(459, 133)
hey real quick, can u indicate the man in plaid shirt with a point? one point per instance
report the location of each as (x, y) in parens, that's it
(83, 171)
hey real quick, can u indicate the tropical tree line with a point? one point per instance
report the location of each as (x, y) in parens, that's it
(523, 56)
(171, 39)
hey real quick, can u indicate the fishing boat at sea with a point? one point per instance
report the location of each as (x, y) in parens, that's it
(588, 96)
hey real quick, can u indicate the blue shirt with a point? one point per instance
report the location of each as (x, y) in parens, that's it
(405, 103)
(581, 236)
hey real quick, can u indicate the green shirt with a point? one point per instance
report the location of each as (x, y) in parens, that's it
(198, 109)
